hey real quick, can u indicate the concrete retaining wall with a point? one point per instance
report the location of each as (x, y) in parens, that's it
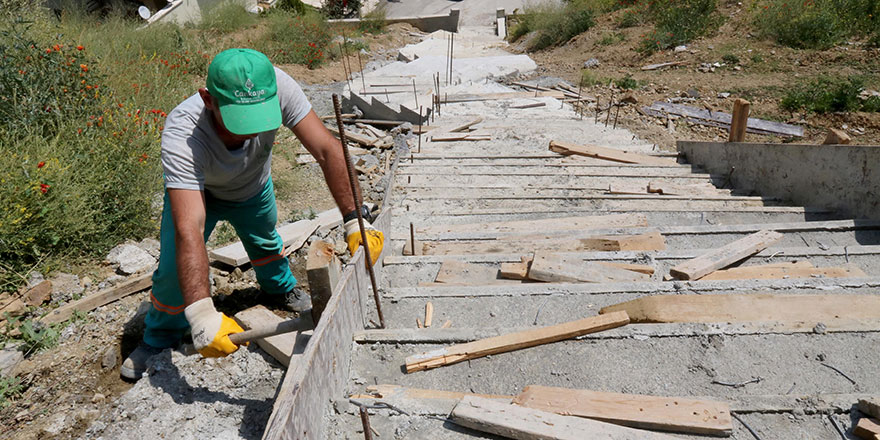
(845, 178)
(430, 23)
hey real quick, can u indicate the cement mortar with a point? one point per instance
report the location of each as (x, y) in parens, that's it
(191, 398)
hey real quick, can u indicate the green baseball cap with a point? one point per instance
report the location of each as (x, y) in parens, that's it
(242, 81)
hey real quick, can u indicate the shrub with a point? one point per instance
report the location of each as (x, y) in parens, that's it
(678, 22)
(373, 22)
(816, 24)
(341, 8)
(590, 79)
(828, 94)
(730, 58)
(301, 39)
(627, 82)
(609, 39)
(554, 23)
(296, 7)
(10, 389)
(228, 16)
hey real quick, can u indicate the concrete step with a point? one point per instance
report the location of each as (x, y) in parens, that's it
(539, 179)
(515, 169)
(547, 304)
(769, 214)
(423, 162)
(598, 203)
(403, 271)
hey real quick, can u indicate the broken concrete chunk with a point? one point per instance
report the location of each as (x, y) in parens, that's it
(591, 63)
(65, 286)
(130, 258)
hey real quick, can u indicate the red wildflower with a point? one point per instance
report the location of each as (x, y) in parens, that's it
(80, 47)
(44, 188)
(41, 164)
(84, 67)
(57, 47)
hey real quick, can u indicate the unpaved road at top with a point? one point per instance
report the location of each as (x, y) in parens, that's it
(473, 12)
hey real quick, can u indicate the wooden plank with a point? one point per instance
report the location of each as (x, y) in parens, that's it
(768, 273)
(280, 347)
(602, 243)
(429, 313)
(549, 224)
(749, 307)
(725, 256)
(520, 423)
(605, 153)
(867, 429)
(513, 341)
(323, 270)
(739, 120)
(384, 391)
(672, 414)
(836, 137)
(525, 106)
(450, 99)
(323, 371)
(465, 126)
(641, 268)
(95, 300)
(354, 137)
(721, 119)
(552, 268)
(683, 190)
(662, 65)
(516, 271)
(294, 236)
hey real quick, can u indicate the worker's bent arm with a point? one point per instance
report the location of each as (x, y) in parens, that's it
(188, 212)
(327, 151)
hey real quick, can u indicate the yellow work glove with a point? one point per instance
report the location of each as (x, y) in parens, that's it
(375, 238)
(211, 329)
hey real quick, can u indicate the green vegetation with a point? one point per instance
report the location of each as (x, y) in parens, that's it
(37, 337)
(730, 58)
(676, 22)
(82, 106)
(373, 22)
(827, 94)
(556, 23)
(627, 82)
(610, 39)
(590, 79)
(10, 389)
(817, 24)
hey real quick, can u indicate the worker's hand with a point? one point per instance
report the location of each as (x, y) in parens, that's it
(211, 329)
(375, 238)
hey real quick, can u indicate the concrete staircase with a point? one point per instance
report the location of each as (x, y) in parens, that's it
(515, 177)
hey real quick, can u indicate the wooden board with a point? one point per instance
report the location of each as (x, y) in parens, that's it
(294, 235)
(602, 243)
(721, 119)
(781, 272)
(384, 391)
(354, 137)
(672, 189)
(323, 270)
(605, 153)
(281, 347)
(323, 370)
(756, 307)
(521, 423)
(549, 224)
(499, 96)
(513, 341)
(516, 271)
(724, 256)
(672, 414)
(867, 429)
(641, 268)
(552, 268)
(99, 299)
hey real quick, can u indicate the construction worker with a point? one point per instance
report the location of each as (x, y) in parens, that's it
(216, 155)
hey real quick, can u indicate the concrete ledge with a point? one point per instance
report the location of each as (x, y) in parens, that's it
(843, 178)
(430, 23)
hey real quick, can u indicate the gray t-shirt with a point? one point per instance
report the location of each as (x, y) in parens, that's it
(194, 157)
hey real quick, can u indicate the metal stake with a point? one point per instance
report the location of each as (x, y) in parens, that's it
(386, 96)
(361, 65)
(420, 129)
(365, 421)
(412, 240)
(356, 195)
(448, 45)
(451, 58)
(344, 67)
(415, 93)
(579, 110)
(610, 103)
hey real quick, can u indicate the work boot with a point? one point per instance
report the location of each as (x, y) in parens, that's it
(135, 365)
(297, 300)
